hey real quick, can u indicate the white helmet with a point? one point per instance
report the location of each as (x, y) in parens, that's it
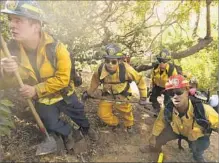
(213, 101)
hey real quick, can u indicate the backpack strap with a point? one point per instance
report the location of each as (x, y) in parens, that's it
(100, 68)
(199, 114)
(171, 68)
(155, 67)
(122, 72)
(168, 111)
(51, 53)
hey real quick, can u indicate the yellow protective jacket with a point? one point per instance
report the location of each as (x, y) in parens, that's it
(52, 81)
(161, 79)
(183, 125)
(117, 88)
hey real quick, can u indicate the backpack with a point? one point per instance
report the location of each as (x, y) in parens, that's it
(199, 114)
(51, 55)
(122, 72)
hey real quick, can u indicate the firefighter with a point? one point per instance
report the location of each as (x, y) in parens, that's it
(160, 76)
(115, 76)
(186, 117)
(43, 83)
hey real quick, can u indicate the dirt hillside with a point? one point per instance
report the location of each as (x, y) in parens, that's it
(116, 146)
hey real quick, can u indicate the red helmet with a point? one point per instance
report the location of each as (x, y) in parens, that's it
(176, 81)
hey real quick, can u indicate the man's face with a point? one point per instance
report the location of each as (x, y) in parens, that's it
(178, 96)
(111, 64)
(21, 28)
(163, 66)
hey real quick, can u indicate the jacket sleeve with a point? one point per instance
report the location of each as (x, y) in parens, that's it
(212, 116)
(139, 80)
(62, 75)
(159, 123)
(94, 83)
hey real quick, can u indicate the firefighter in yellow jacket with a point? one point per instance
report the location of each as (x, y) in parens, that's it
(159, 77)
(116, 87)
(43, 82)
(185, 118)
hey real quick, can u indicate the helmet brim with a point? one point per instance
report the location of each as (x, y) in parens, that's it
(9, 12)
(112, 56)
(160, 59)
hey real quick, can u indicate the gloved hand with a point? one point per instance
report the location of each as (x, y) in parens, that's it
(85, 96)
(77, 80)
(143, 101)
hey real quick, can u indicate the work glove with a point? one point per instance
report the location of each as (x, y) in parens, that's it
(77, 80)
(85, 96)
(143, 101)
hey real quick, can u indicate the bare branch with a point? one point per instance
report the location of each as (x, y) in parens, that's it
(208, 20)
(149, 47)
(194, 34)
(194, 49)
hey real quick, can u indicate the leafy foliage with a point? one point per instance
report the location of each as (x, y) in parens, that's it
(148, 26)
(6, 122)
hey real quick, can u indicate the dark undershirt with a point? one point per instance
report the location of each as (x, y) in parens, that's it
(32, 55)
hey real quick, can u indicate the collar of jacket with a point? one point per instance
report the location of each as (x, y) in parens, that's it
(158, 68)
(189, 112)
(24, 61)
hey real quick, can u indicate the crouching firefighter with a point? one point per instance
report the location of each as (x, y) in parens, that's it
(115, 77)
(49, 86)
(183, 117)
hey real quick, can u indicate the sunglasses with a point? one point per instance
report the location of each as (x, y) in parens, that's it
(160, 60)
(113, 62)
(174, 92)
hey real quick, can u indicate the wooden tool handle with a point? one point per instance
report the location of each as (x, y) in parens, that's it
(33, 110)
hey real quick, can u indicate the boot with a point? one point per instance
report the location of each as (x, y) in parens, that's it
(199, 158)
(77, 135)
(115, 128)
(130, 130)
(91, 133)
(69, 141)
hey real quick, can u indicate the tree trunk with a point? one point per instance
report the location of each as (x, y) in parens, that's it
(208, 20)
(1, 151)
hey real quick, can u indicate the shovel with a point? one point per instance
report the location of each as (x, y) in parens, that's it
(49, 145)
(123, 101)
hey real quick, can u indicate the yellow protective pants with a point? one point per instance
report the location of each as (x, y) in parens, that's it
(105, 112)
